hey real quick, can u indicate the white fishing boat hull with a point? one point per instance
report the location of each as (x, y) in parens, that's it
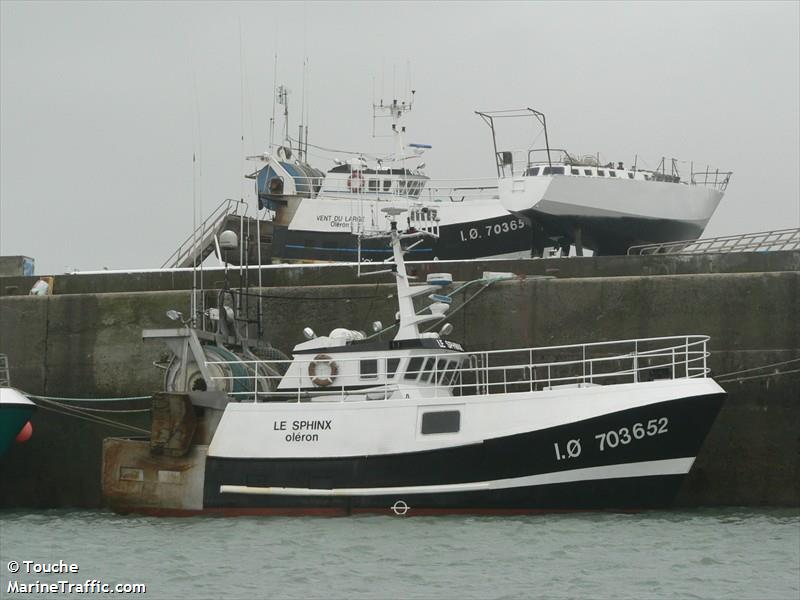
(611, 214)
(625, 446)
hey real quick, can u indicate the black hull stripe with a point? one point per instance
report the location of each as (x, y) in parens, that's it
(455, 242)
(684, 422)
(678, 466)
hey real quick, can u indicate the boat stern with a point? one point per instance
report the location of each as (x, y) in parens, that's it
(136, 480)
(519, 194)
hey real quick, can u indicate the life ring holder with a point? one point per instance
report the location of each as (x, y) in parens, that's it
(355, 183)
(322, 381)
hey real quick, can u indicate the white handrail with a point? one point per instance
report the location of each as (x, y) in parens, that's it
(761, 241)
(199, 238)
(431, 190)
(442, 373)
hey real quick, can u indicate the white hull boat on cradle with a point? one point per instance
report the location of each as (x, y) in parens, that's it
(418, 425)
(605, 207)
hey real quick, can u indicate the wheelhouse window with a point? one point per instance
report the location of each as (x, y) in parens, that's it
(630, 175)
(387, 183)
(441, 370)
(372, 185)
(533, 171)
(587, 172)
(391, 367)
(446, 371)
(453, 375)
(441, 421)
(553, 171)
(612, 173)
(414, 365)
(601, 173)
(369, 368)
(575, 171)
(427, 370)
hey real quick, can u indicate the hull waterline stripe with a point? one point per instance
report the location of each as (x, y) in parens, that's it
(363, 250)
(674, 466)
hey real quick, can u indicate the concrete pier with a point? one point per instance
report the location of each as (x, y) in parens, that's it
(85, 341)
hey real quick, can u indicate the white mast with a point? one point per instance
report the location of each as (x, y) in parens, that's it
(408, 328)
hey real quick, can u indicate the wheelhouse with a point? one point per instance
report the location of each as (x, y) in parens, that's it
(282, 178)
(346, 364)
(344, 180)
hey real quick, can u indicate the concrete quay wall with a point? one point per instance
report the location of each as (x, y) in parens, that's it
(89, 345)
(345, 273)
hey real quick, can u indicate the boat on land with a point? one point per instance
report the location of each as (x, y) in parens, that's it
(324, 216)
(606, 207)
(544, 202)
(413, 423)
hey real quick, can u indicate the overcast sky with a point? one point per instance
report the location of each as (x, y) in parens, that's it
(102, 105)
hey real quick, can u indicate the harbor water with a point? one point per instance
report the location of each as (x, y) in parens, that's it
(720, 553)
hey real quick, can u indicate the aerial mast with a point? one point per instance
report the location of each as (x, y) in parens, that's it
(283, 99)
(395, 110)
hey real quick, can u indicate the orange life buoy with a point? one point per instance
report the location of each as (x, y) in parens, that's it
(355, 183)
(323, 379)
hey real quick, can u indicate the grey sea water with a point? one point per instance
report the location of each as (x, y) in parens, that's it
(695, 554)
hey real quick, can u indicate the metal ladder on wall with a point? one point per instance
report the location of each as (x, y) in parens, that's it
(196, 248)
(763, 241)
(5, 377)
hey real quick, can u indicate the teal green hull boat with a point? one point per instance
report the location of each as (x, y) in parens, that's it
(15, 412)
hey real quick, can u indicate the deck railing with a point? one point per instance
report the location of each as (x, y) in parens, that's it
(446, 374)
(432, 190)
(197, 246)
(762, 241)
(518, 163)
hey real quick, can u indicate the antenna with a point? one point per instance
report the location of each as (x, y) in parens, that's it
(302, 102)
(241, 107)
(308, 112)
(301, 151)
(408, 76)
(274, 99)
(282, 98)
(197, 200)
(305, 152)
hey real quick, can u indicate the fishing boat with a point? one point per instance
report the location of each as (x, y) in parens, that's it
(413, 423)
(323, 216)
(604, 206)
(15, 414)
